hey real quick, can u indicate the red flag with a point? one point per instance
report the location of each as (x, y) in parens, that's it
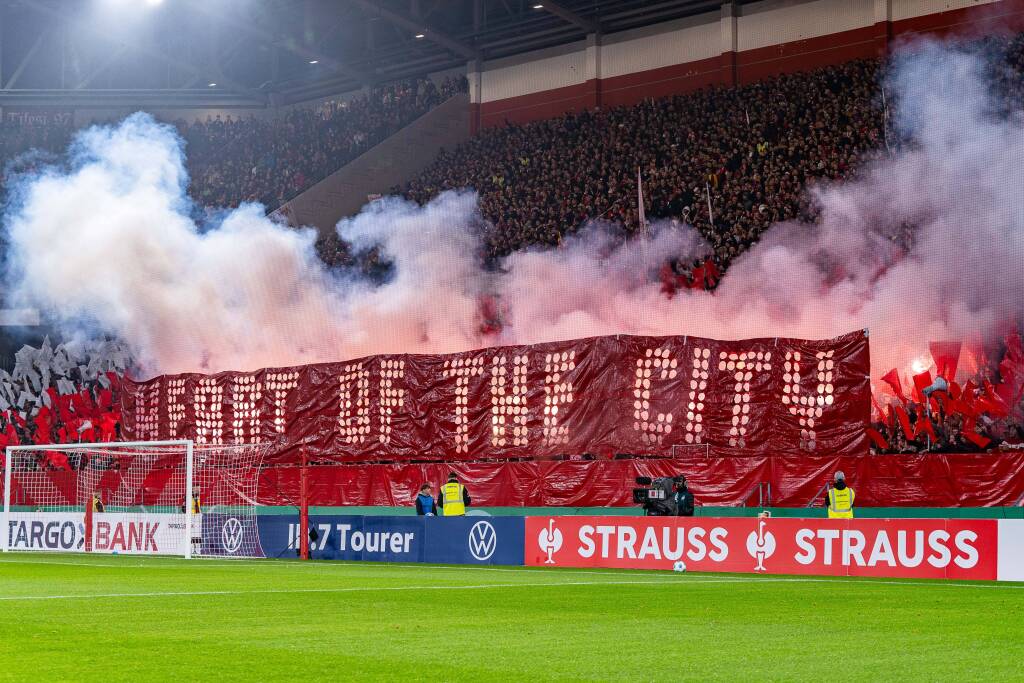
(954, 390)
(904, 420)
(58, 460)
(892, 378)
(968, 433)
(877, 439)
(711, 269)
(924, 426)
(877, 408)
(921, 382)
(64, 409)
(991, 402)
(1011, 371)
(946, 356)
(698, 278)
(668, 280)
(972, 356)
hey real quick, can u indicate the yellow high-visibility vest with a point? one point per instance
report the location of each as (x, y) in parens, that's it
(196, 506)
(451, 499)
(840, 503)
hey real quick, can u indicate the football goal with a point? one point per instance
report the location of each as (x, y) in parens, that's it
(143, 498)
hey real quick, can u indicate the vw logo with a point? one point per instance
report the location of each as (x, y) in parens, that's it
(483, 539)
(232, 534)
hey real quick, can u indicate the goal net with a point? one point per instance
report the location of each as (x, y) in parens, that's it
(149, 498)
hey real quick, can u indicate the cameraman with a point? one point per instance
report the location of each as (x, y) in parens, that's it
(684, 498)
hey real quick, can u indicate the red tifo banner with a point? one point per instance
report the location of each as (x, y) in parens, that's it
(600, 395)
(983, 549)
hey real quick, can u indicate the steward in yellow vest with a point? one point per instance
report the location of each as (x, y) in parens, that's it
(454, 497)
(840, 499)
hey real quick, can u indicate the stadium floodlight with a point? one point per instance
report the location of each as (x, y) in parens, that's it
(538, 6)
(211, 85)
(420, 36)
(314, 61)
(133, 498)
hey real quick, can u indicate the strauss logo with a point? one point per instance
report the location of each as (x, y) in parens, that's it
(550, 540)
(761, 545)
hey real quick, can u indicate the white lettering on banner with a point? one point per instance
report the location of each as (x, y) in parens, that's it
(46, 531)
(698, 388)
(279, 384)
(246, 392)
(127, 533)
(955, 549)
(668, 543)
(354, 403)
(653, 426)
(147, 412)
(391, 396)
(742, 366)
(968, 556)
(372, 541)
(208, 404)
(853, 544)
(175, 405)
(508, 401)
(557, 392)
(808, 408)
(462, 369)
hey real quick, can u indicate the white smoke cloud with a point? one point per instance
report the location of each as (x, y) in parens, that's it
(111, 242)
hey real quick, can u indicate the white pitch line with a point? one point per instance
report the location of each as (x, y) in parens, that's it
(713, 577)
(351, 589)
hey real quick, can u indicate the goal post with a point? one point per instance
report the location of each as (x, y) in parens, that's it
(142, 498)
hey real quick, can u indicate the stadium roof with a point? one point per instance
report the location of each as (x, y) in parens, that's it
(96, 53)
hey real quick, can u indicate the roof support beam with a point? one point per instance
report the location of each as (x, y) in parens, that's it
(257, 33)
(147, 49)
(104, 64)
(417, 27)
(12, 81)
(570, 16)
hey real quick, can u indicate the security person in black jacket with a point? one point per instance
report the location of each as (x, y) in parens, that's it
(684, 499)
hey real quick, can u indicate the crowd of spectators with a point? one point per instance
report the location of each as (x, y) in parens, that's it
(271, 160)
(752, 150)
(267, 159)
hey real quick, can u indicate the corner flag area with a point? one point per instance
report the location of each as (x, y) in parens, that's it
(68, 617)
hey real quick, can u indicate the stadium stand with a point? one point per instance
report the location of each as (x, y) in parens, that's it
(753, 151)
(232, 160)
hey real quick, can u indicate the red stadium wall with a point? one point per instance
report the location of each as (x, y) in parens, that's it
(748, 66)
(929, 480)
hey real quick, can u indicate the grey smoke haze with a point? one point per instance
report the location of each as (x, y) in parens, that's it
(108, 246)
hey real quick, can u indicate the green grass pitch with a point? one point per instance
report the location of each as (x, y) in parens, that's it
(99, 618)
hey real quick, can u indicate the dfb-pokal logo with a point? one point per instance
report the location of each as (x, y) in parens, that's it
(761, 545)
(483, 540)
(232, 534)
(550, 541)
